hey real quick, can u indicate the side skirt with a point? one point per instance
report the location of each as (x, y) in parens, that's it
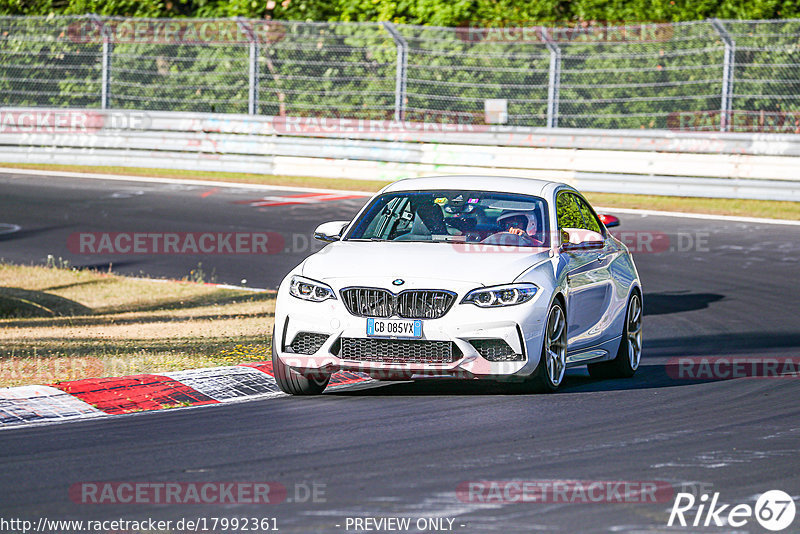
(599, 353)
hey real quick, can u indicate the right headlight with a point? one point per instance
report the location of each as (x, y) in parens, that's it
(308, 289)
(497, 296)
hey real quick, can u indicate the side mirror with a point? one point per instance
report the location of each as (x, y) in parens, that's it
(609, 220)
(330, 231)
(579, 239)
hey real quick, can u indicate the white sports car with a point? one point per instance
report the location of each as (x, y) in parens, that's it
(462, 276)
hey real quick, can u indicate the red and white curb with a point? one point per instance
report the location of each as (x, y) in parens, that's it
(30, 403)
(97, 397)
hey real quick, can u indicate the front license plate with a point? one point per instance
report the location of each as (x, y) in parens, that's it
(411, 328)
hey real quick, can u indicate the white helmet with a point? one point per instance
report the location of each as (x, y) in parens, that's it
(524, 220)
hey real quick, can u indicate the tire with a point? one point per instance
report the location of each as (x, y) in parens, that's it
(549, 374)
(291, 381)
(629, 354)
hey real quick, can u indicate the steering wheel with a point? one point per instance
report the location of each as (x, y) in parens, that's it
(507, 238)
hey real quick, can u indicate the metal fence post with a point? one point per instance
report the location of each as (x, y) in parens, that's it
(252, 92)
(553, 81)
(105, 68)
(727, 75)
(400, 77)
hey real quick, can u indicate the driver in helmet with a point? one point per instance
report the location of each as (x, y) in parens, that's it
(521, 224)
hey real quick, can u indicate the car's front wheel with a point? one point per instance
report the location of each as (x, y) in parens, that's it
(294, 383)
(625, 364)
(553, 362)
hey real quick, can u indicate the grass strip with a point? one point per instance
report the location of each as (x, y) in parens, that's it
(61, 324)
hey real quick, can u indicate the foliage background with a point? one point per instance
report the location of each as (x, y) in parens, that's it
(428, 12)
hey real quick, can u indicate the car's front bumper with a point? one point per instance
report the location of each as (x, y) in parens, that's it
(520, 326)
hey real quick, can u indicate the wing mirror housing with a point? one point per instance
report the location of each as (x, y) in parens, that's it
(579, 239)
(609, 221)
(330, 231)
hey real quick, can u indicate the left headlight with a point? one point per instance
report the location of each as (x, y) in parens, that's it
(307, 289)
(507, 295)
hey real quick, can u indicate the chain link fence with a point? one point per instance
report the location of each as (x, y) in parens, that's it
(709, 75)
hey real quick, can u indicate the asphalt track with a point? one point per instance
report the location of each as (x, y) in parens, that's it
(721, 289)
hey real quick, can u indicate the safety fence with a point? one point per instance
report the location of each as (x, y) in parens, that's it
(720, 75)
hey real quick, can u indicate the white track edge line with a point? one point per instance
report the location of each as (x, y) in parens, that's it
(264, 187)
(705, 216)
(179, 181)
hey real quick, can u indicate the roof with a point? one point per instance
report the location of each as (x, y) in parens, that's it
(504, 184)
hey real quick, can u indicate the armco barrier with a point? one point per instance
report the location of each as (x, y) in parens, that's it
(754, 166)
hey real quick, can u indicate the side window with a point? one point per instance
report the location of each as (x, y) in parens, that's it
(568, 211)
(590, 220)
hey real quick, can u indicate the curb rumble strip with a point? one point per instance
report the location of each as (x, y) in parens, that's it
(97, 397)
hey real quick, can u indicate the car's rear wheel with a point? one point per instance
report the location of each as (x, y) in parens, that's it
(294, 383)
(553, 363)
(629, 355)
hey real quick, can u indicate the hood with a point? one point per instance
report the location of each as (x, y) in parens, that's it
(475, 263)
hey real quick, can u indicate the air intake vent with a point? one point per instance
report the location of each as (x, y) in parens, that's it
(308, 342)
(398, 351)
(496, 350)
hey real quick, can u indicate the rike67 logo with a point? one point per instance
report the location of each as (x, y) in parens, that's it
(774, 510)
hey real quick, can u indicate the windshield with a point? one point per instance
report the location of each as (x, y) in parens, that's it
(455, 216)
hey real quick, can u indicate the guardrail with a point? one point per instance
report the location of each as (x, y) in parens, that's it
(753, 166)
